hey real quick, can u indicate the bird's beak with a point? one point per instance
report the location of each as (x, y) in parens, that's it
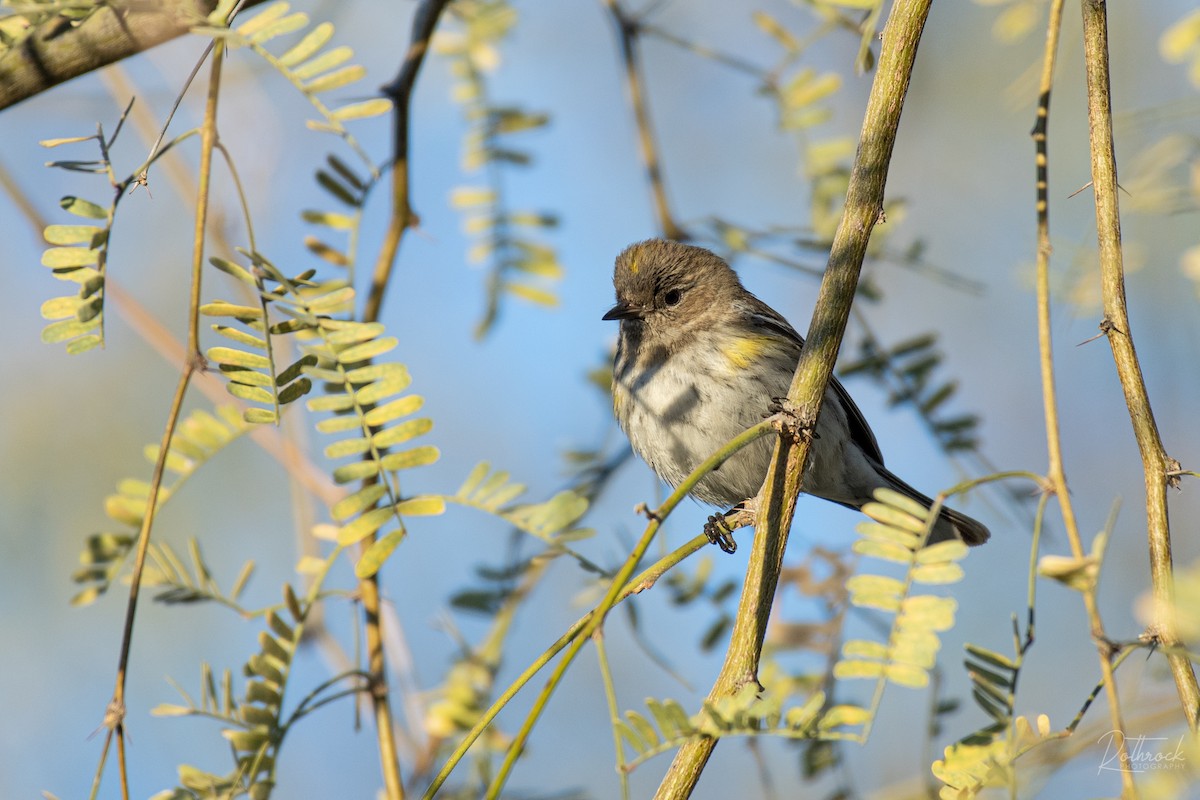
(623, 310)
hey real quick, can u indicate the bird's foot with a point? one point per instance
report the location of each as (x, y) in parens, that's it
(720, 527)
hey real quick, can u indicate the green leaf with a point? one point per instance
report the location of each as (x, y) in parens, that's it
(220, 308)
(260, 416)
(474, 479)
(259, 21)
(339, 222)
(358, 502)
(254, 394)
(875, 584)
(991, 657)
(313, 41)
(75, 234)
(532, 294)
(83, 344)
(339, 424)
(907, 675)
(238, 358)
(632, 739)
(855, 668)
(233, 269)
(879, 532)
(885, 550)
(332, 402)
(281, 27)
(347, 447)
(247, 741)
(324, 62)
(372, 560)
(937, 573)
(403, 432)
(394, 410)
(893, 517)
(357, 471)
(416, 457)
(367, 350)
(374, 372)
(382, 389)
(365, 525)
(367, 108)
(240, 336)
(840, 715)
(336, 79)
(68, 329)
(422, 506)
(335, 299)
(83, 208)
(949, 550)
(861, 648)
(929, 612)
(294, 391)
(59, 257)
(295, 369)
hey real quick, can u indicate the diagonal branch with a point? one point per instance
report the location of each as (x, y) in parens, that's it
(777, 500)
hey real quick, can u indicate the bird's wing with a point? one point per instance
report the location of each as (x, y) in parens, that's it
(860, 431)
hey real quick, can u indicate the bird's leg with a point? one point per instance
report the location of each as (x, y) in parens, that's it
(720, 527)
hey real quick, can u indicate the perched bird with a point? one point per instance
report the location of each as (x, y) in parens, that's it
(700, 359)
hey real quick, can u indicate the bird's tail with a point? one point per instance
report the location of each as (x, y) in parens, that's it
(950, 524)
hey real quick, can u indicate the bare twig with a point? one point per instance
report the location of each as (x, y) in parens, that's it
(401, 218)
(193, 361)
(400, 91)
(1056, 475)
(627, 33)
(1156, 464)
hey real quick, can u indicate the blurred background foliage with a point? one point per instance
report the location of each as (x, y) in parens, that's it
(528, 177)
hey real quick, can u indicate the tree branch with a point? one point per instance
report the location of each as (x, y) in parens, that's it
(1155, 462)
(52, 54)
(777, 500)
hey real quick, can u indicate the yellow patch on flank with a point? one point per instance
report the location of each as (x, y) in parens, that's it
(744, 351)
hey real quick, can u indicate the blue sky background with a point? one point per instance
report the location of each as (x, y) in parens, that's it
(73, 426)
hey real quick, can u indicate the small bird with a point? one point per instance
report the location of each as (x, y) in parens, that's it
(700, 359)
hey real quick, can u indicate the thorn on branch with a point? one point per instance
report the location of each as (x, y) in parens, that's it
(1107, 326)
(114, 715)
(647, 512)
(1175, 472)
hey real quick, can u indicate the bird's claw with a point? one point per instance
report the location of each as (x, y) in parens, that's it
(719, 533)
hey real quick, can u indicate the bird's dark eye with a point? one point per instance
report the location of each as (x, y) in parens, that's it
(672, 297)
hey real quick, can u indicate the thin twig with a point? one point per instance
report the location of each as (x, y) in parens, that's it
(1156, 464)
(1056, 475)
(193, 360)
(593, 619)
(400, 91)
(863, 209)
(628, 29)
